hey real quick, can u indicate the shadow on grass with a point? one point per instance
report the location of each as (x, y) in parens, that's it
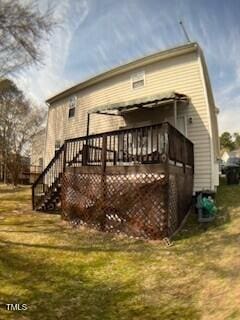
(9, 190)
(90, 287)
(95, 276)
(83, 289)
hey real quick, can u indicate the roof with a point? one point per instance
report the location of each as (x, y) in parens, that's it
(145, 102)
(169, 53)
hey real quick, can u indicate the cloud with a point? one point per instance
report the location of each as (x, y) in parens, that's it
(98, 35)
(215, 26)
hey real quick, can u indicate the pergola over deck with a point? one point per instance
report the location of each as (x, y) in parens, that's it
(148, 102)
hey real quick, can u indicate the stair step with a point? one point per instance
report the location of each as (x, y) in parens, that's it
(49, 199)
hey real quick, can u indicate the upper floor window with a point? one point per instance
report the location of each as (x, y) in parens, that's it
(72, 106)
(138, 80)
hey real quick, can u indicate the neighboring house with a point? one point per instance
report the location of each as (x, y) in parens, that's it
(181, 69)
(225, 156)
(37, 154)
(235, 153)
(24, 175)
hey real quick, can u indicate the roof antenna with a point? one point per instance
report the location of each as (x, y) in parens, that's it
(184, 31)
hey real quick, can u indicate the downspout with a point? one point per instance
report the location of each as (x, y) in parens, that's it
(175, 113)
(88, 124)
(85, 156)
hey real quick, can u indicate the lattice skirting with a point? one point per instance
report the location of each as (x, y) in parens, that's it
(147, 205)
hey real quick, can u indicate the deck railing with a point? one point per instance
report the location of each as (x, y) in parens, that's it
(48, 178)
(149, 144)
(180, 148)
(158, 143)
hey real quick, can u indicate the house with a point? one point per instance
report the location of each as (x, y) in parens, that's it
(234, 153)
(180, 69)
(23, 177)
(37, 154)
(225, 156)
(155, 109)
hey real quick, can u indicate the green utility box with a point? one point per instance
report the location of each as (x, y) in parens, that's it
(206, 207)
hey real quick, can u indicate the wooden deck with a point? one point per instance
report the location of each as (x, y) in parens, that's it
(147, 201)
(136, 181)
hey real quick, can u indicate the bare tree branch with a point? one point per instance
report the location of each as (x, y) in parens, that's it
(23, 29)
(19, 121)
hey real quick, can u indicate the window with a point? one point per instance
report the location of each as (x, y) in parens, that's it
(138, 80)
(71, 112)
(72, 106)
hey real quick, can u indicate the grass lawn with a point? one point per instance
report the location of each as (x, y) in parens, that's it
(66, 273)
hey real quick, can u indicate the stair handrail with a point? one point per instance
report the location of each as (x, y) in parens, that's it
(58, 152)
(45, 171)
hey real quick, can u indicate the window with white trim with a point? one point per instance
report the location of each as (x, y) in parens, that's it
(72, 106)
(138, 80)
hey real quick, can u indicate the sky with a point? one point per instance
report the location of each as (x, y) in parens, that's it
(96, 35)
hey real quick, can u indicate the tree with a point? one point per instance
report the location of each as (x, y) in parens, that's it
(19, 121)
(22, 30)
(226, 141)
(236, 140)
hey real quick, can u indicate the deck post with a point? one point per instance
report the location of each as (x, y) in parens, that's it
(33, 196)
(87, 141)
(184, 155)
(104, 153)
(103, 166)
(64, 155)
(166, 131)
(114, 158)
(84, 155)
(88, 123)
(175, 113)
(87, 149)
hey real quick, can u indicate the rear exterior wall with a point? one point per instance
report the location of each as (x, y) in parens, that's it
(181, 74)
